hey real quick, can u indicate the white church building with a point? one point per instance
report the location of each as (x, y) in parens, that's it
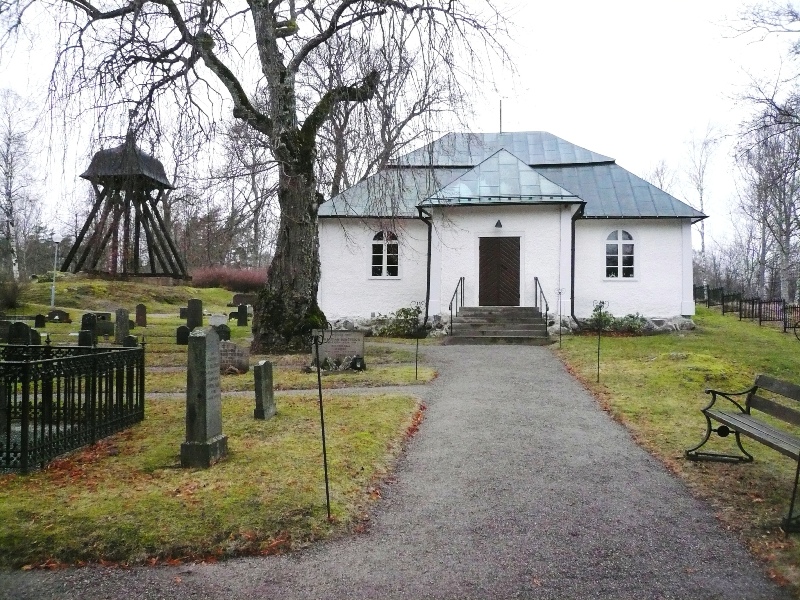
(513, 214)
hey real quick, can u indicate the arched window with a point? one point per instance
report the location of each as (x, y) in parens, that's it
(385, 255)
(619, 254)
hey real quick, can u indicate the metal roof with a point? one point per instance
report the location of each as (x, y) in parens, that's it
(490, 168)
(468, 149)
(115, 165)
(500, 178)
(611, 191)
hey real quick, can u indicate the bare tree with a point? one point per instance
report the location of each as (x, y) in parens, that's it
(151, 54)
(699, 156)
(662, 176)
(21, 210)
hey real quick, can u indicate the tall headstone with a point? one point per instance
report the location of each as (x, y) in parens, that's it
(182, 336)
(39, 321)
(265, 398)
(205, 444)
(141, 315)
(241, 317)
(194, 314)
(5, 329)
(182, 312)
(89, 322)
(121, 325)
(86, 338)
(130, 341)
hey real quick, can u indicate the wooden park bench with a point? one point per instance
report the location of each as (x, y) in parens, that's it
(739, 420)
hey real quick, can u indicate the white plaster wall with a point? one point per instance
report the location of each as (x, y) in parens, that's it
(346, 288)
(662, 283)
(544, 249)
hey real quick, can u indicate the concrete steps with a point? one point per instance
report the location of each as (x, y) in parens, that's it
(499, 325)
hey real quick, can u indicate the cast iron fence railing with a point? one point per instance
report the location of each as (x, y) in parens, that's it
(456, 301)
(54, 399)
(539, 299)
(731, 303)
(700, 293)
(714, 296)
(764, 311)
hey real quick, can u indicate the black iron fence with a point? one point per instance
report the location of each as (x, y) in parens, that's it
(764, 311)
(54, 399)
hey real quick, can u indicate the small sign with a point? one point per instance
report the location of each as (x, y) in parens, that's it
(339, 344)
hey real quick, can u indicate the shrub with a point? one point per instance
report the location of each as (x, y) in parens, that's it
(403, 323)
(629, 324)
(230, 278)
(600, 320)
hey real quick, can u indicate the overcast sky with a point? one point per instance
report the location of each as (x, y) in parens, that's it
(631, 79)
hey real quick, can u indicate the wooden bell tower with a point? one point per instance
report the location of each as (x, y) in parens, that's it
(129, 238)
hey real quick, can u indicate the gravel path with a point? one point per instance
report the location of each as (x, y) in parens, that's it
(517, 486)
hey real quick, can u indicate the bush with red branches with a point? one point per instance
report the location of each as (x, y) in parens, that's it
(230, 278)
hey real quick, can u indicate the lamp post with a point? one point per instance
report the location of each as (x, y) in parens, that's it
(56, 240)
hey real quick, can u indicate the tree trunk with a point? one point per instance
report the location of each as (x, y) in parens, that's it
(286, 311)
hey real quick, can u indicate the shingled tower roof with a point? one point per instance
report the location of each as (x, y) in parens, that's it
(116, 165)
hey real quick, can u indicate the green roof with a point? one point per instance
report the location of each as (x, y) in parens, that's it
(508, 168)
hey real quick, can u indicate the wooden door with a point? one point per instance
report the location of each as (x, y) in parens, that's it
(498, 283)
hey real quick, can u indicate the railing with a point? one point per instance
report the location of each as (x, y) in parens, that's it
(56, 399)
(539, 299)
(714, 296)
(456, 299)
(699, 293)
(731, 303)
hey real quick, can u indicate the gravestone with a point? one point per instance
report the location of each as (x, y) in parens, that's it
(234, 360)
(339, 345)
(265, 398)
(215, 320)
(5, 326)
(130, 341)
(105, 326)
(89, 322)
(182, 336)
(182, 312)
(39, 321)
(141, 315)
(241, 318)
(205, 444)
(194, 314)
(21, 333)
(223, 331)
(121, 325)
(86, 337)
(59, 316)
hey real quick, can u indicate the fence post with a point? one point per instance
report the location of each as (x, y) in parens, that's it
(785, 319)
(25, 442)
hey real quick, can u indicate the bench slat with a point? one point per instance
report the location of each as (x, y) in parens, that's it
(779, 411)
(784, 388)
(778, 440)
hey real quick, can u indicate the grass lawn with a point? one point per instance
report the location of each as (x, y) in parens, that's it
(655, 386)
(127, 500)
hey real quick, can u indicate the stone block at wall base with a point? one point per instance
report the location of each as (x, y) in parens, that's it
(204, 454)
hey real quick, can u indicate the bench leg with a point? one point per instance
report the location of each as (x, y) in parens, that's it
(791, 524)
(693, 454)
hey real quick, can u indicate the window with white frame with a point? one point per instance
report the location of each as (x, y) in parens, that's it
(619, 255)
(385, 255)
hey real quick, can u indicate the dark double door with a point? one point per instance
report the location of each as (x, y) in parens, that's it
(499, 263)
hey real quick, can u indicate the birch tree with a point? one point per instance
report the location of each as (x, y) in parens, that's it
(190, 55)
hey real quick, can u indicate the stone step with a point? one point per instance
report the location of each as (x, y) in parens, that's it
(456, 340)
(499, 320)
(489, 329)
(500, 310)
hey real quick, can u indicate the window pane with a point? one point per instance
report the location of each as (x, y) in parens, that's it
(391, 236)
(627, 271)
(391, 271)
(391, 259)
(627, 249)
(611, 250)
(612, 236)
(392, 249)
(612, 261)
(377, 249)
(611, 272)
(627, 261)
(377, 271)
(378, 236)
(626, 236)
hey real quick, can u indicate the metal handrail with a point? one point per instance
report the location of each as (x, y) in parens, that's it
(539, 298)
(455, 299)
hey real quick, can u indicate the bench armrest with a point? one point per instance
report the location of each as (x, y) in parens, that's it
(727, 396)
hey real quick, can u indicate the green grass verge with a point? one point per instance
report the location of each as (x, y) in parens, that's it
(655, 386)
(126, 499)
